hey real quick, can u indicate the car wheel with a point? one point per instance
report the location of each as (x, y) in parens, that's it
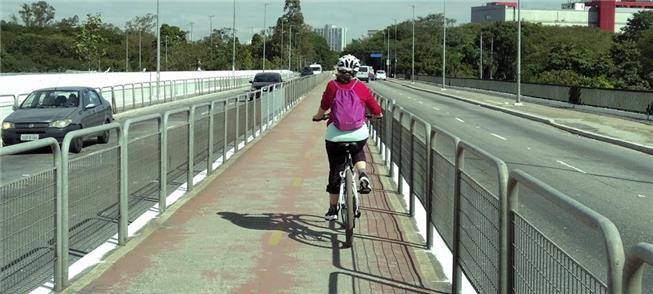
(104, 138)
(76, 145)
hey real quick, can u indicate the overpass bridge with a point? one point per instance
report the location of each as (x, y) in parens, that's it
(219, 193)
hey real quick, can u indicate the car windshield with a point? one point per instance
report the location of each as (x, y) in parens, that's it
(315, 68)
(267, 78)
(363, 69)
(52, 99)
(380, 72)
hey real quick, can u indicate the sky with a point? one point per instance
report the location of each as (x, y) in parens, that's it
(356, 15)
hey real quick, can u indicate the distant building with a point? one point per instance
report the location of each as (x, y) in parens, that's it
(335, 36)
(608, 15)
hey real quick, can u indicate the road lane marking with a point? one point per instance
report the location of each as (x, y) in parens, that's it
(571, 166)
(420, 102)
(641, 196)
(502, 138)
(438, 109)
(460, 120)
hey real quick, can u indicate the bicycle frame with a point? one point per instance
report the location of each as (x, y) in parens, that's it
(349, 220)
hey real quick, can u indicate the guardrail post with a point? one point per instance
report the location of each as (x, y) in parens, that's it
(226, 131)
(428, 186)
(457, 271)
(255, 112)
(400, 155)
(191, 148)
(246, 118)
(209, 164)
(411, 173)
(163, 175)
(237, 123)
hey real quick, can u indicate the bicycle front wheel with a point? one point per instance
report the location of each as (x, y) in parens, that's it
(349, 202)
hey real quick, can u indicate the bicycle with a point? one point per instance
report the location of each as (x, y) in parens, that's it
(348, 199)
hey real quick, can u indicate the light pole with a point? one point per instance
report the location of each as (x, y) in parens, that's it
(282, 40)
(211, 31)
(158, 50)
(444, 44)
(491, 56)
(387, 60)
(412, 71)
(265, 31)
(167, 68)
(395, 70)
(126, 50)
(191, 31)
(290, 48)
(518, 102)
(140, 50)
(233, 38)
(481, 68)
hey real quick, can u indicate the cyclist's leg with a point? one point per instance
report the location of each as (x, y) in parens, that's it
(336, 165)
(358, 157)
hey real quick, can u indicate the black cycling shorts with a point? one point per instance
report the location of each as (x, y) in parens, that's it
(337, 162)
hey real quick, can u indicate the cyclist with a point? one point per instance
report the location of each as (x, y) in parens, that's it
(346, 123)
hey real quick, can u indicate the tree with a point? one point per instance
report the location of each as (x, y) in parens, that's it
(173, 34)
(90, 43)
(37, 14)
(144, 24)
(627, 69)
(640, 22)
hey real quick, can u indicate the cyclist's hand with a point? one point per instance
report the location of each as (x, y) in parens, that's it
(317, 117)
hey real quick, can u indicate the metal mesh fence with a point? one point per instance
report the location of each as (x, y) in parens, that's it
(201, 139)
(251, 118)
(93, 197)
(218, 131)
(396, 141)
(442, 204)
(143, 169)
(420, 158)
(405, 149)
(27, 224)
(177, 155)
(542, 267)
(242, 116)
(231, 124)
(479, 235)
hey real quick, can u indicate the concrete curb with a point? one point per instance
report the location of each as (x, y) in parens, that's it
(623, 143)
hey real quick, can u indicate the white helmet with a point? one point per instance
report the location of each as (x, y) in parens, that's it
(349, 63)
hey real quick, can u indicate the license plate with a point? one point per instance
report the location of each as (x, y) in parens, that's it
(29, 137)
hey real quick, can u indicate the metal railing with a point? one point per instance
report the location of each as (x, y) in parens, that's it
(472, 201)
(125, 97)
(84, 201)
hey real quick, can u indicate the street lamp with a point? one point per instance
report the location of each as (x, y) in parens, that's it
(265, 30)
(444, 43)
(191, 31)
(233, 37)
(158, 50)
(290, 48)
(518, 102)
(481, 68)
(211, 31)
(126, 50)
(395, 71)
(412, 73)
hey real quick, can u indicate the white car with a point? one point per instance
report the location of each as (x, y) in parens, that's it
(363, 73)
(316, 68)
(380, 75)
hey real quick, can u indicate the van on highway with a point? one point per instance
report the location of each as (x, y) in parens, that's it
(316, 68)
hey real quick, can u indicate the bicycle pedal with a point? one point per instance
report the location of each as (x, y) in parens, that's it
(364, 190)
(357, 214)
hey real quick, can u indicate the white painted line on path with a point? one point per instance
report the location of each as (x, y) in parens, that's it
(460, 120)
(420, 102)
(502, 138)
(437, 109)
(571, 166)
(641, 196)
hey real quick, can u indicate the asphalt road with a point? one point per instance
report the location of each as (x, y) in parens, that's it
(614, 181)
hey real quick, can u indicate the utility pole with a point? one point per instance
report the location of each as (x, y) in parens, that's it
(481, 67)
(126, 51)
(158, 51)
(444, 44)
(167, 68)
(233, 37)
(395, 71)
(518, 102)
(282, 40)
(290, 48)
(140, 49)
(412, 72)
(211, 31)
(387, 60)
(265, 31)
(191, 31)
(491, 56)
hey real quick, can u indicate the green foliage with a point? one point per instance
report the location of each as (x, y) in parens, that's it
(37, 14)
(572, 78)
(89, 45)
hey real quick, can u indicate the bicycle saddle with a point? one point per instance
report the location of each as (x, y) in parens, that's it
(348, 146)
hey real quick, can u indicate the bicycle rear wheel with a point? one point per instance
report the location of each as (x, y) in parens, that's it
(349, 202)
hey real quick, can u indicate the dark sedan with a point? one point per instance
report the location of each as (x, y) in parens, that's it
(53, 112)
(264, 79)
